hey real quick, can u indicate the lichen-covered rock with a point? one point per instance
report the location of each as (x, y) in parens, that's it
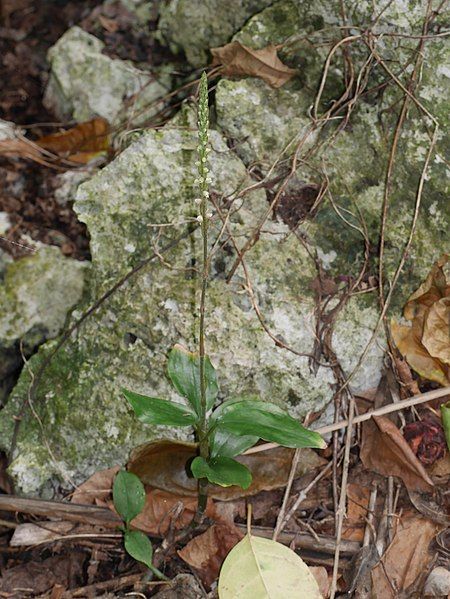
(278, 115)
(85, 83)
(36, 295)
(261, 121)
(87, 423)
(195, 26)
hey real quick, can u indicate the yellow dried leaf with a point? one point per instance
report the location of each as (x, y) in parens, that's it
(417, 356)
(238, 60)
(436, 330)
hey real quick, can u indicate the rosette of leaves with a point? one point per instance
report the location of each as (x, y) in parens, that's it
(232, 427)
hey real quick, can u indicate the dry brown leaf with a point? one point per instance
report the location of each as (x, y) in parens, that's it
(406, 557)
(436, 330)
(80, 143)
(163, 510)
(432, 289)
(97, 488)
(162, 464)
(426, 343)
(239, 60)
(384, 450)
(417, 356)
(322, 578)
(355, 522)
(207, 551)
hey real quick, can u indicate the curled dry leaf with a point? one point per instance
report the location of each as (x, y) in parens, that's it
(162, 464)
(384, 450)
(96, 490)
(426, 343)
(207, 551)
(78, 144)
(406, 558)
(238, 60)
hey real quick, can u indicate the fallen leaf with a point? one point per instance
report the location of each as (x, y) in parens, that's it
(163, 510)
(432, 289)
(258, 567)
(426, 342)
(426, 504)
(47, 532)
(162, 464)
(80, 143)
(410, 346)
(97, 489)
(41, 576)
(384, 450)
(323, 580)
(406, 557)
(207, 551)
(436, 331)
(358, 502)
(239, 60)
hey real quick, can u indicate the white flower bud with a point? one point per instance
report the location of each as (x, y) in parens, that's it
(208, 180)
(206, 194)
(197, 201)
(209, 215)
(200, 218)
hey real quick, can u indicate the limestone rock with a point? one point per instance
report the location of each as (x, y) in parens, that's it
(36, 294)
(85, 83)
(125, 344)
(194, 26)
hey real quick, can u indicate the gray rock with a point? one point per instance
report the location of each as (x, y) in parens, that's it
(125, 344)
(438, 583)
(85, 83)
(195, 26)
(36, 295)
(262, 122)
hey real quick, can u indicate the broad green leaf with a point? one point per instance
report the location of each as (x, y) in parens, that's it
(184, 372)
(222, 471)
(160, 411)
(226, 444)
(139, 546)
(267, 421)
(445, 414)
(128, 495)
(261, 568)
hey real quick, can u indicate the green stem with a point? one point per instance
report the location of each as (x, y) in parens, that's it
(202, 429)
(158, 573)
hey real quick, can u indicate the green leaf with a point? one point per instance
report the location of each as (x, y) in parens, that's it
(128, 495)
(139, 546)
(226, 444)
(222, 471)
(257, 567)
(160, 411)
(445, 414)
(184, 372)
(267, 421)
